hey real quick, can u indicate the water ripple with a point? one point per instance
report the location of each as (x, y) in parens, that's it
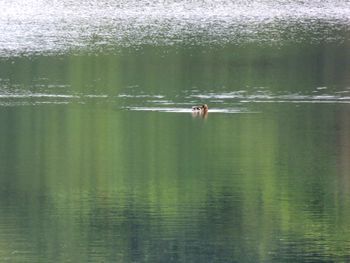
(266, 96)
(233, 101)
(186, 110)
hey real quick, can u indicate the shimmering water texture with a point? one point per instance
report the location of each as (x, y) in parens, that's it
(220, 102)
(43, 26)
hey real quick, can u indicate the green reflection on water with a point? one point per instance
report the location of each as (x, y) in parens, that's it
(84, 184)
(169, 70)
(92, 183)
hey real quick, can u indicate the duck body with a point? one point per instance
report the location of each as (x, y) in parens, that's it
(200, 109)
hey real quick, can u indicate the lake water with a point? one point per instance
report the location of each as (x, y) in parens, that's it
(102, 160)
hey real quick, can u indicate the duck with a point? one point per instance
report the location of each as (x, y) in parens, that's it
(200, 109)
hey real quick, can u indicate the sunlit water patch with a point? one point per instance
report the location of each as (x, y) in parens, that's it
(43, 26)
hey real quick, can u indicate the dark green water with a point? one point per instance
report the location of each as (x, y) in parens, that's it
(87, 176)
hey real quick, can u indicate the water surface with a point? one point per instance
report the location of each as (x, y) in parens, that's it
(51, 27)
(102, 160)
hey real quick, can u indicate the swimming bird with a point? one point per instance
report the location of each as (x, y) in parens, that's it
(200, 109)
